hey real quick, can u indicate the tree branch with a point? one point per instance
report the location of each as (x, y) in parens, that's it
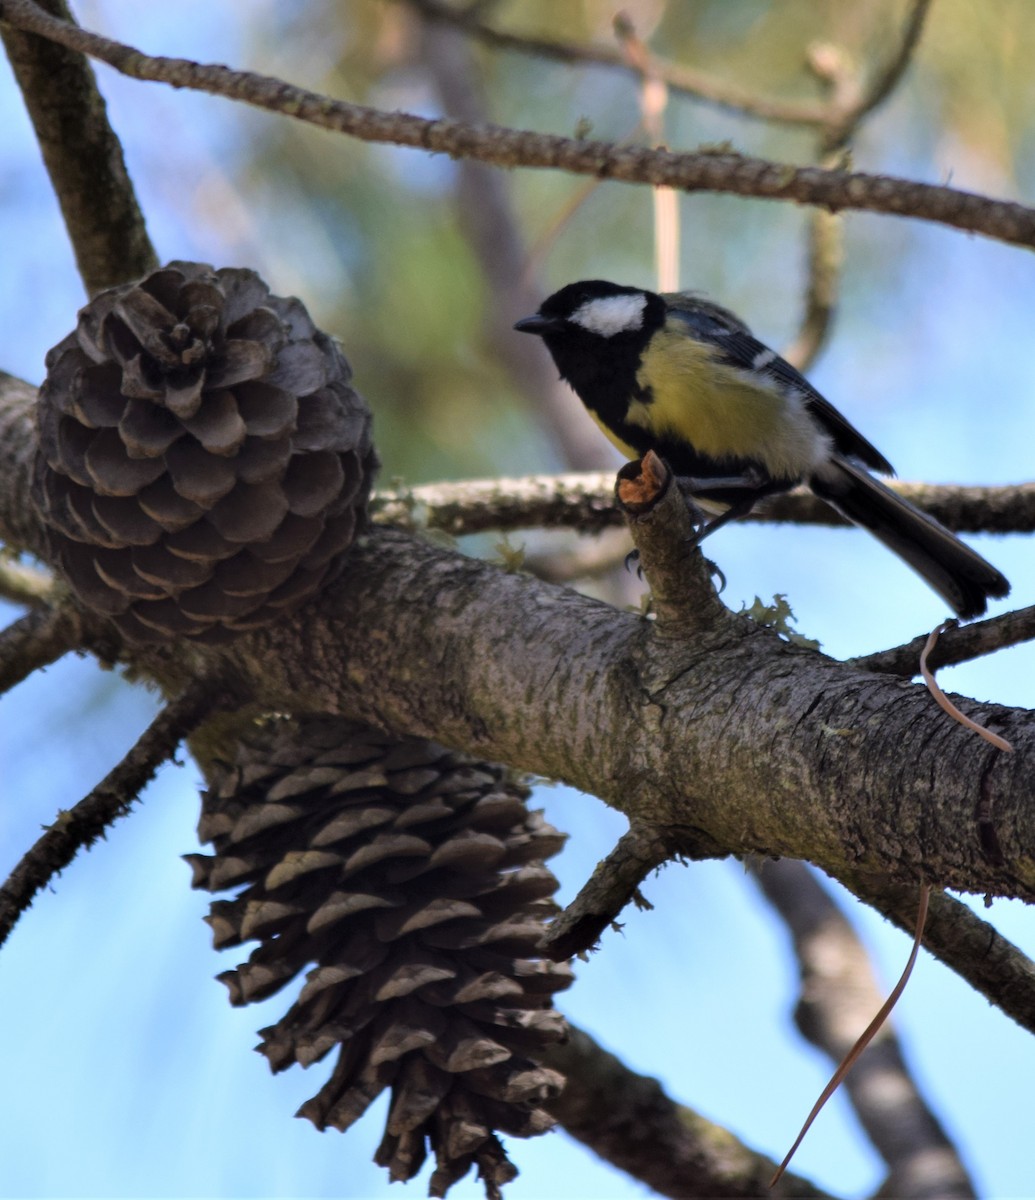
(733, 174)
(518, 671)
(614, 883)
(957, 645)
(1009, 508)
(628, 1120)
(957, 937)
(81, 826)
(82, 154)
(584, 502)
(26, 585)
(20, 528)
(36, 640)
(825, 258)
(679, 79)
(719, 737)
(884, 81)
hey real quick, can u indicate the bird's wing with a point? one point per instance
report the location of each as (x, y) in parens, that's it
(738, 347)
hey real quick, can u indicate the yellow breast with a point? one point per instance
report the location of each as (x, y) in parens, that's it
(720, 410)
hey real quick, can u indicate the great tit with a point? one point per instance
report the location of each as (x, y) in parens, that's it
(685, 378)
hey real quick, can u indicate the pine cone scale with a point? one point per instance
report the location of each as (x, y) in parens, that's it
(206, 406)
(420, 951)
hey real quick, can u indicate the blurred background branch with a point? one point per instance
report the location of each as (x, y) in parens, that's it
(839, 997)
(722, 171)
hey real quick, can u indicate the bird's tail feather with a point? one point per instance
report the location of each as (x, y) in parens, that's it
(957, 573)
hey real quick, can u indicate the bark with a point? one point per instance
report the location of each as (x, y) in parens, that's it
(705, 725)
(83, 157)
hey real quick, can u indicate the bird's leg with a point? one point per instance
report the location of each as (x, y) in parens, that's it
(740, 509)
(750, 483)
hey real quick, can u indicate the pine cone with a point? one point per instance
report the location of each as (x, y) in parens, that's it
(203, 463)
(413, 878)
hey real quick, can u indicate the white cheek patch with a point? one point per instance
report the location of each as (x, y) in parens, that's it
(608, 315)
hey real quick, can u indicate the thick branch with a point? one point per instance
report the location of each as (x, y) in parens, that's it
(83, 156)
(734, 174)
(36, 640)
(722, 734)
(733, 736)
(628, 1120)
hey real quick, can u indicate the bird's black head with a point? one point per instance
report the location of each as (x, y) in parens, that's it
(596, 332)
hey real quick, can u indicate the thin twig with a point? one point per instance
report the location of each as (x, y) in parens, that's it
(729, 173)
(83, 156)
(685, 81)
(961, 644)
(886, 80)
(614, 883)
(825, 258)
(79, 827)
(849, 103)
(1009, 508)
(840, 75)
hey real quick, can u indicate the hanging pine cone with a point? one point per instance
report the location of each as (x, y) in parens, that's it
(413, 879)
(203, 462)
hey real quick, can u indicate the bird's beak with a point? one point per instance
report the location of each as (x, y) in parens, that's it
(538, 324)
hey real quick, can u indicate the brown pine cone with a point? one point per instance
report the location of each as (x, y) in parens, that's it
(413, 879)
(203, 463)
